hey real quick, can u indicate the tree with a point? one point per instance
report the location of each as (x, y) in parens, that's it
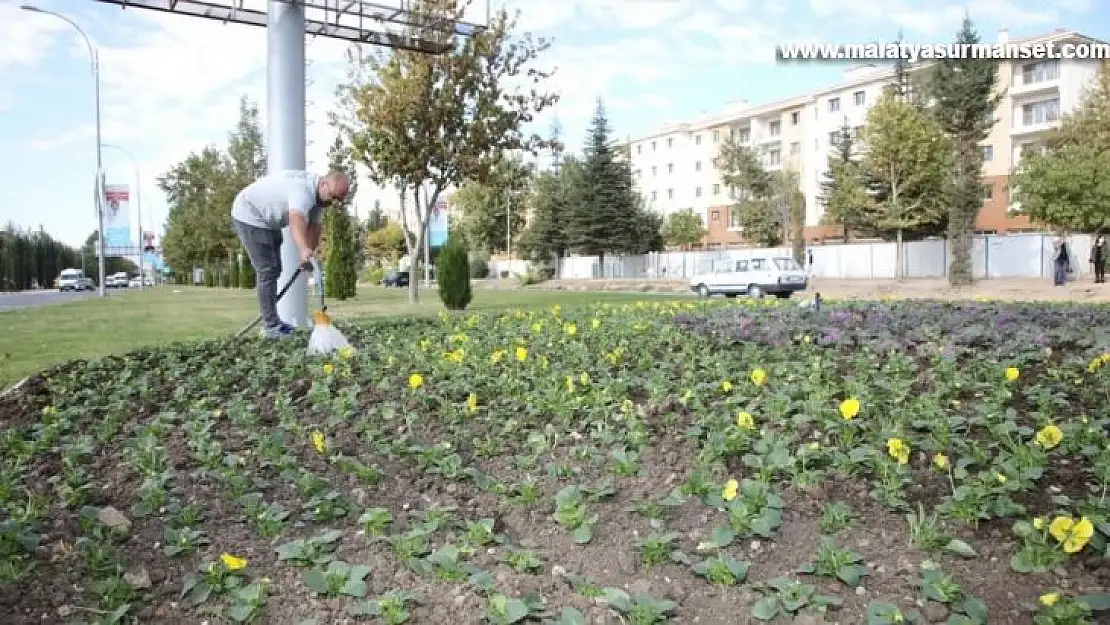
(601, 222)
(453, 274)
(199, 193)
(684, 228)
(483, 205)
(844, 190)
(387, 242)
(1068, 185)
(428, 122)
(750, 187)
(906, 152)
(29, 256)
(340, 261)
(786, 189)
(553, 195)
(965, 102)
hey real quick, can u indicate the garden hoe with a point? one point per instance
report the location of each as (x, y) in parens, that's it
(281, 293)
(325, 338)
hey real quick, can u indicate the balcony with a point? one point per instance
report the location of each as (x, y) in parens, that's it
(1025, 130)
(1019, 88)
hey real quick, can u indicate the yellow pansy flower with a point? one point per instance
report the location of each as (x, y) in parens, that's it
(329, 368)
(1073, 535)
(745, 421)
(233, 563)
(898, 449)
(319, 442)
(759, 377)
(728, 493)
(849, 408)
(1012, 374)
(1049, 436)
(472, 403)
(416, 381)
(521, 353)
(941, 461)
(1049, 599)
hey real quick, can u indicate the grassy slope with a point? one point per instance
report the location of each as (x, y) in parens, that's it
(36, 338)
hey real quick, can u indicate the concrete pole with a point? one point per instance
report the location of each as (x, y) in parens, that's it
(285, 132)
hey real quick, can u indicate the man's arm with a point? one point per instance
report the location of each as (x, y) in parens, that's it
(299, 206)
(313, 235)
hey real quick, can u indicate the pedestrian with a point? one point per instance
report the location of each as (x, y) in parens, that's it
(291, 198)
(1061, 262)
(809, 263)
(1098, 258)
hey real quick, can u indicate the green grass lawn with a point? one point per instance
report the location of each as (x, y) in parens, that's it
(36, 338)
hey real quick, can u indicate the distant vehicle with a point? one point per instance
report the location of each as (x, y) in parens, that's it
(74, 280)
(396, 278)
(117, 280)
(138, 282)
(755, 277)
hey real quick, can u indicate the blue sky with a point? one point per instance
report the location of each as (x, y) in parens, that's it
(171, 84)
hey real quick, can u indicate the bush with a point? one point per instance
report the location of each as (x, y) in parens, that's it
(453, 275)
(375, 275)
(479, 268)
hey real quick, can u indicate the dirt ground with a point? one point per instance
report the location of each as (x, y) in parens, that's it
(1002, 289)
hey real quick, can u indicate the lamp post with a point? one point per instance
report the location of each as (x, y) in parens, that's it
(95, 57)
(138, 209)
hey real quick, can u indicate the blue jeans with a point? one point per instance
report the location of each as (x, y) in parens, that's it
(1061, 275)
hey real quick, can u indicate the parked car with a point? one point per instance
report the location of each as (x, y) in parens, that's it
(396, 278)
(755, 276)
(138, 282)
(74, 280)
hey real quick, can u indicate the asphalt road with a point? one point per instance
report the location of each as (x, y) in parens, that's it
(32, 299)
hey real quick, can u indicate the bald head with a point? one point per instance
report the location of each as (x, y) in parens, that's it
(333, 187)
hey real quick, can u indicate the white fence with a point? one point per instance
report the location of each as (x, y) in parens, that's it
(993, 256)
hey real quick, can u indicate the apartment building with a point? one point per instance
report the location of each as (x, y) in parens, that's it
(675, 168)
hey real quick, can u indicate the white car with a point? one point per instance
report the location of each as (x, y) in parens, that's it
(755, 277)
(116, 280)
(74, 280)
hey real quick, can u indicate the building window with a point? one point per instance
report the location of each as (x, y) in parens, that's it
(670, 143)
(716, 189)
(638, 173)
(697, 139)
(670, 194)
(1034, 73)
(988, 192)
(716, 136)
(795, 149)
(745, 135)
(697, 166)
(857, 133)
(834, 105)
(670, 168)
(640, 149)
(697, 192)
(715, 216)
(988, 152)
(732, 133)
(652, 146)
(774, 157)
(654, 195)
(775, 128)
(1044, 112)
(859, 98)
(834, 137)
(654, 170)
(734, 219)
(714, 161)
(795, 118)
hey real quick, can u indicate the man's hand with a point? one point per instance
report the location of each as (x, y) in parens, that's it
(306, 258)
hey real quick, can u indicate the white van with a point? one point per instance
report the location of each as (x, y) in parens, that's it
(73, 280)
(755, 276)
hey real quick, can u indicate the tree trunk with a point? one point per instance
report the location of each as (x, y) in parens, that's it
(899, 270)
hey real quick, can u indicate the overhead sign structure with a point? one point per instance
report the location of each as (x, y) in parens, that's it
(287, 22)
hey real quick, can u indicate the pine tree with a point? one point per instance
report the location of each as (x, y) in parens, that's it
(965, 101)
(453, 274)
(844, 191)
(603, 222)
(342, 254)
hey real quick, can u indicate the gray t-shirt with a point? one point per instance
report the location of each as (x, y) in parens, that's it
(266, 202)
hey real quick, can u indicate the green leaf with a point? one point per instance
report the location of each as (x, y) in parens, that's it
(960, 548)
(851, 574)
(354, 588)
(516, 610)
(240, 613)
(317, 581)
(571, 616)
(1096, 602)
(766, 608)
(617, 598)
(583, 534)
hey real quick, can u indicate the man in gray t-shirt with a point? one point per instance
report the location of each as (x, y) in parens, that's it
(290, 198)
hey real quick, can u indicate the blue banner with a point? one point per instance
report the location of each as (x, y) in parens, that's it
(437, 224)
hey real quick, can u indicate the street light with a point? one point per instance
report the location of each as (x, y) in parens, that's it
(95, 56)
(138, 208)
